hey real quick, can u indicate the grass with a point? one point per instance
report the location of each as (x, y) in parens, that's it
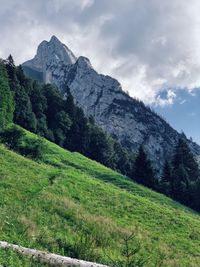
(70, 205)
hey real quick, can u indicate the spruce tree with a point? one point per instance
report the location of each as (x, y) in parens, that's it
(185, 173)
(6, 99)
(69, 105)
(39, 107)
(62, 126)
(166, 180)
(99, 146)
(143, 171)
(122, 159)
(23, 114)
(183, 156)
(180, 184)
(54, 104)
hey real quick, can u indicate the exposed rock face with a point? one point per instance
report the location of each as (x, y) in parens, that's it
(102, 97)
(52, 53)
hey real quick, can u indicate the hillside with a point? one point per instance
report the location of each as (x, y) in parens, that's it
(73, 206)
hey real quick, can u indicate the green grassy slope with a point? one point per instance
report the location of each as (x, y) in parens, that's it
(73, 206)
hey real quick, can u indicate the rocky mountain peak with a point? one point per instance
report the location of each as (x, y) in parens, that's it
(54, 39)
(130, 121)
(51, 53)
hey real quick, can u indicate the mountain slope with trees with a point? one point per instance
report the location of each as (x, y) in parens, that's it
(42, 109)
(61, 201)
(101, 96)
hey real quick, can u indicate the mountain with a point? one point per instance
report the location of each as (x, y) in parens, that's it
(73, 206)
(102, 97)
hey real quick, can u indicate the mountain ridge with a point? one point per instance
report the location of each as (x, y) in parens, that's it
(102, 97)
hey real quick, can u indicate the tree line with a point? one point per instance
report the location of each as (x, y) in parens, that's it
(41, 109)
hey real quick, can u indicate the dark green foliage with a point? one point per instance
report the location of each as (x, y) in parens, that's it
(23, 113)
(122, 159)
(181, 181)
(6, 99)
(143, 171)
(54, 103)
(185, 174)
(183, 156)
(194, 195)
(100, 146)
(20, 86)
(62, 126)
(39, 107)
(33, 148)
(69, 105)
(12, 137)
(77, 136)
(166, 182)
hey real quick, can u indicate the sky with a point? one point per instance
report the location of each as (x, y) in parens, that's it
(151, 46)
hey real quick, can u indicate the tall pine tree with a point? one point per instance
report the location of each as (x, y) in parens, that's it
(166, 180)
(6, 99)
(183, 156)
(143, 171)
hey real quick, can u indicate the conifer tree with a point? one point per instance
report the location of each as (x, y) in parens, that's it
(122, 159)
(39, 107)
(99, 146)
(23, 114)
(69, 105)
(6, 99)
(166, 180)
(185, 173)
(180, 184)
(143, 171)
(183, 156)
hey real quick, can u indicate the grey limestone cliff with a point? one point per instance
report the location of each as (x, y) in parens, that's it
(129, 120)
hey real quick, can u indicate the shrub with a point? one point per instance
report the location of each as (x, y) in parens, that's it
(33, 148)
(12, 137)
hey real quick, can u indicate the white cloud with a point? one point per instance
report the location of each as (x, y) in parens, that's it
(148, 45)
(183, 102)
(167, 100)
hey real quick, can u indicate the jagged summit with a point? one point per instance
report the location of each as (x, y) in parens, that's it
(102, 97)
(50, 53)
(54, 39)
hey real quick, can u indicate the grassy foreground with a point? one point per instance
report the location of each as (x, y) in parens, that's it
(73, 206)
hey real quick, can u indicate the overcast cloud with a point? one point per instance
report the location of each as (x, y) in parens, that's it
(150, 46)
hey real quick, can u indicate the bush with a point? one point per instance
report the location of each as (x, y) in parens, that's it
(33, 148)
(12, 137)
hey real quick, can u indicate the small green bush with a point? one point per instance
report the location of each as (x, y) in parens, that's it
(33, 148)
(12, 137)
